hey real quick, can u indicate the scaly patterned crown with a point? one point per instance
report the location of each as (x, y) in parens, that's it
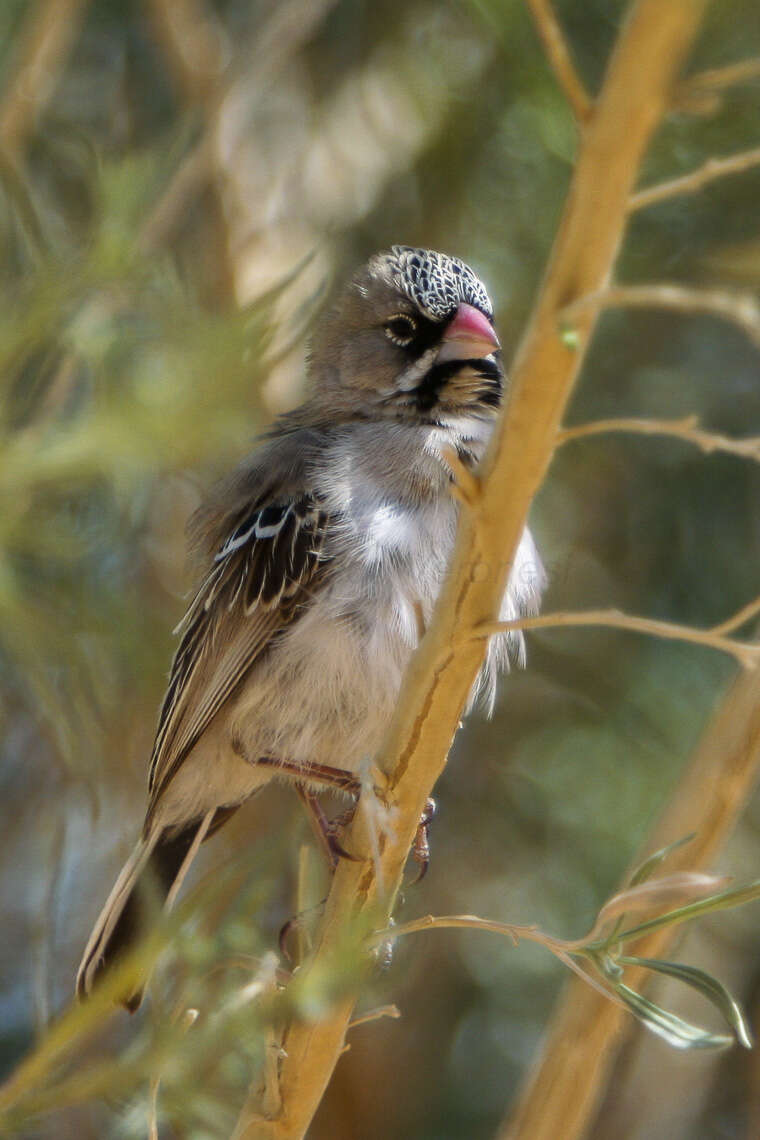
(437, 284)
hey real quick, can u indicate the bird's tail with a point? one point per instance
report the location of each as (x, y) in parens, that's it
(152, 874)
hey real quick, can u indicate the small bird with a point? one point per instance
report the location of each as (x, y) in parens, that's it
(325, 553)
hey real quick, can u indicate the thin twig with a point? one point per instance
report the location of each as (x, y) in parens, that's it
(153, 1091)
(288, 27)
(746, 613)
(740, 309)
(561, 949)
(558, 54)
(717, 78)
(746, 653)
(194, 44)
(687, 429)
(391, 1011)
(45, 925)
(708, 172)
(514, 931)
(80, 1020)
(46, 39)
(187, 182)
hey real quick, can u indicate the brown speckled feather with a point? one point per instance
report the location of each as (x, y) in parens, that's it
(270, 563)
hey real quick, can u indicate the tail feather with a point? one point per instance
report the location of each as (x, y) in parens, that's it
(153, 873)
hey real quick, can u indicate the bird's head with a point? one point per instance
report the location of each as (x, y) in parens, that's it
(410, 338)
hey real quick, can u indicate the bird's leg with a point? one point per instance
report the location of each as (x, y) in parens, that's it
(341, 780)
(292, 924)
(337, 779)
(421, 844)
(325, 829)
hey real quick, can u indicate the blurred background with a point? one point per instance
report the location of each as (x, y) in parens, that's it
(181, 183)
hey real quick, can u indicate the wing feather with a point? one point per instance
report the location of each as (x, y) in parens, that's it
(264, 571)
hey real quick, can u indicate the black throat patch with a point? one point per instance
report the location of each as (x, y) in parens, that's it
(485, 383)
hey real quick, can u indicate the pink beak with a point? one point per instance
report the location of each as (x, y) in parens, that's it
(470, 336)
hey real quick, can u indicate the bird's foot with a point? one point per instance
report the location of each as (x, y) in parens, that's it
(327, 830)
(421, 844)
(466, 487)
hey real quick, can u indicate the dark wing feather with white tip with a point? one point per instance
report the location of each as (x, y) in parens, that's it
(268, 566)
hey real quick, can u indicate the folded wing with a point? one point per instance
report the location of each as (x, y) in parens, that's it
(271, 562)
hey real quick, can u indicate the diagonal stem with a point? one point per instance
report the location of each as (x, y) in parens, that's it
(747, 653)
(558, 53)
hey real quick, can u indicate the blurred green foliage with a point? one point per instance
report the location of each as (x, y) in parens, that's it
(151, 235)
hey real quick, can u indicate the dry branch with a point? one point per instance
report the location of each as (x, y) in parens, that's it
(287, 29)
(701, 94)
(746, 653)
(46, 39)
(558, 53)
(194, 45)
(708, 172)
(440, 676)
(718, 78)
(563, 1092)
(740, 309)
(687, 429)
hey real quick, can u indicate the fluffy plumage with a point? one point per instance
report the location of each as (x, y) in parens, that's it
(325, 555)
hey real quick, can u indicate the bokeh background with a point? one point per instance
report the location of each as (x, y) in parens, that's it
(181, 182)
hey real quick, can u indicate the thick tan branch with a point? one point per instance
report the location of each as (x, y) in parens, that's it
(708, 172)
(558, 54)
(687, 429)
(630, 105)
(563, 1091)
(746, 653)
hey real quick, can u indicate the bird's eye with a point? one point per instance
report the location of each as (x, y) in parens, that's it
(400, 329)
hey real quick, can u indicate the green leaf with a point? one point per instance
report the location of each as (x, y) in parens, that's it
(645, 869)
(677, 1032)
(680, 887)
(724, 900)
(707, 985)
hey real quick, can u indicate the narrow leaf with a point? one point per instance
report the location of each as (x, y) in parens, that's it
(737, 896)
(707, 985)
(645, 869)
(677, 1032)
(680, 887)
